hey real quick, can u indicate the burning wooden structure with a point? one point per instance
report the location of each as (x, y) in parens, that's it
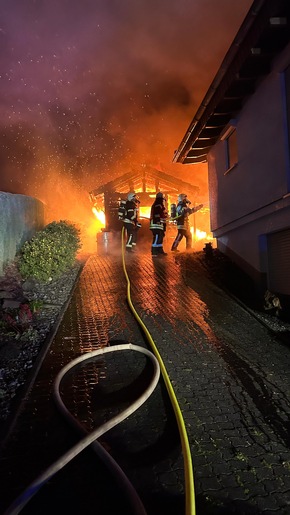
(146, 182)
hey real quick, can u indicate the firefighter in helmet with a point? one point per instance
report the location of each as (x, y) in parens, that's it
(182, 220)
(158, 216)
(130, 221)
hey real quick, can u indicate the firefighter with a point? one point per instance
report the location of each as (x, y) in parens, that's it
(130, 222)
(158, 218)
(182, 220)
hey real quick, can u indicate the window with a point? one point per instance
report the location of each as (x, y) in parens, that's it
(229, 137)
(287, 99)
(232, 149)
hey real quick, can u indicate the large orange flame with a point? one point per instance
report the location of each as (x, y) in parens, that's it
(144, 211)
(200, 235)
(100, 216)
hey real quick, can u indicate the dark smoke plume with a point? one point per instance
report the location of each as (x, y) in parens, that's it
(90, 89)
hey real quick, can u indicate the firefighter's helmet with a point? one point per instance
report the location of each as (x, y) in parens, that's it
(182, 197)
(160, 195)
(131, 196)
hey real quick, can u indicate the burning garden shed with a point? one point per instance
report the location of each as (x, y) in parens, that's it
(146, 182)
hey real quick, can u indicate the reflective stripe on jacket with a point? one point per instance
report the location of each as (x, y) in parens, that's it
(183, 213)
(131, 213)
(158, 215)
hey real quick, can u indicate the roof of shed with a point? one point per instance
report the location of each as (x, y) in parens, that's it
(264, 33)
(146, 179)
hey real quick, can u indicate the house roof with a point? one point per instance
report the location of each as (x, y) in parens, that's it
(146, 179)
(264, 33)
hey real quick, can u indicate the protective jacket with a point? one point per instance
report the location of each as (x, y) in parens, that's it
(131, 215)
(158, 215)
(183, 212)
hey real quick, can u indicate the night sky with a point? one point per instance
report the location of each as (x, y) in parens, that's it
(91, 89)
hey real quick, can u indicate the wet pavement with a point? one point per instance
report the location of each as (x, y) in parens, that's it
(231, 377)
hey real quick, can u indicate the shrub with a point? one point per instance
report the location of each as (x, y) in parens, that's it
(50, 252)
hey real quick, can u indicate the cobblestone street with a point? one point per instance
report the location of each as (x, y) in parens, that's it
(230, 373)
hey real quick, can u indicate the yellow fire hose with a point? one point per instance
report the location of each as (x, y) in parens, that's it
(188, 470)
(90, 439)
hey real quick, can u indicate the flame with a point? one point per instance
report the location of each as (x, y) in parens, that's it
(100, 215)
(144, 211)
(200, 235)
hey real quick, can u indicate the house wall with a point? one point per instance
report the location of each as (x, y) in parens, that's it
(260, 176)
(246, 243)
(252, 199)
(20, 217)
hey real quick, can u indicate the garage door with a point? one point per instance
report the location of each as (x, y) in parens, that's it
(279, 262)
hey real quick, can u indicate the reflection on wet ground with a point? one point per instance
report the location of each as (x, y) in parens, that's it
(231, 378)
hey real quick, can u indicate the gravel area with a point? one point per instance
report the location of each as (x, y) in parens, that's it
(21, 345)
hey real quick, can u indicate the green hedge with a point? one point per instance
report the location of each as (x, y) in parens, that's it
(50, 252)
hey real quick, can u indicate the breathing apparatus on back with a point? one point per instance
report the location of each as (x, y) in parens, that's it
(122, 209)
(182, 199)
(173, 212)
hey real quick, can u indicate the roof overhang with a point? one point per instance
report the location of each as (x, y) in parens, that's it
(264, 33)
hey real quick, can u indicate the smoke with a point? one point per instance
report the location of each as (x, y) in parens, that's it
(90, 90)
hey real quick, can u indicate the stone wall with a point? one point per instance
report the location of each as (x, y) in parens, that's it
(20, 217)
